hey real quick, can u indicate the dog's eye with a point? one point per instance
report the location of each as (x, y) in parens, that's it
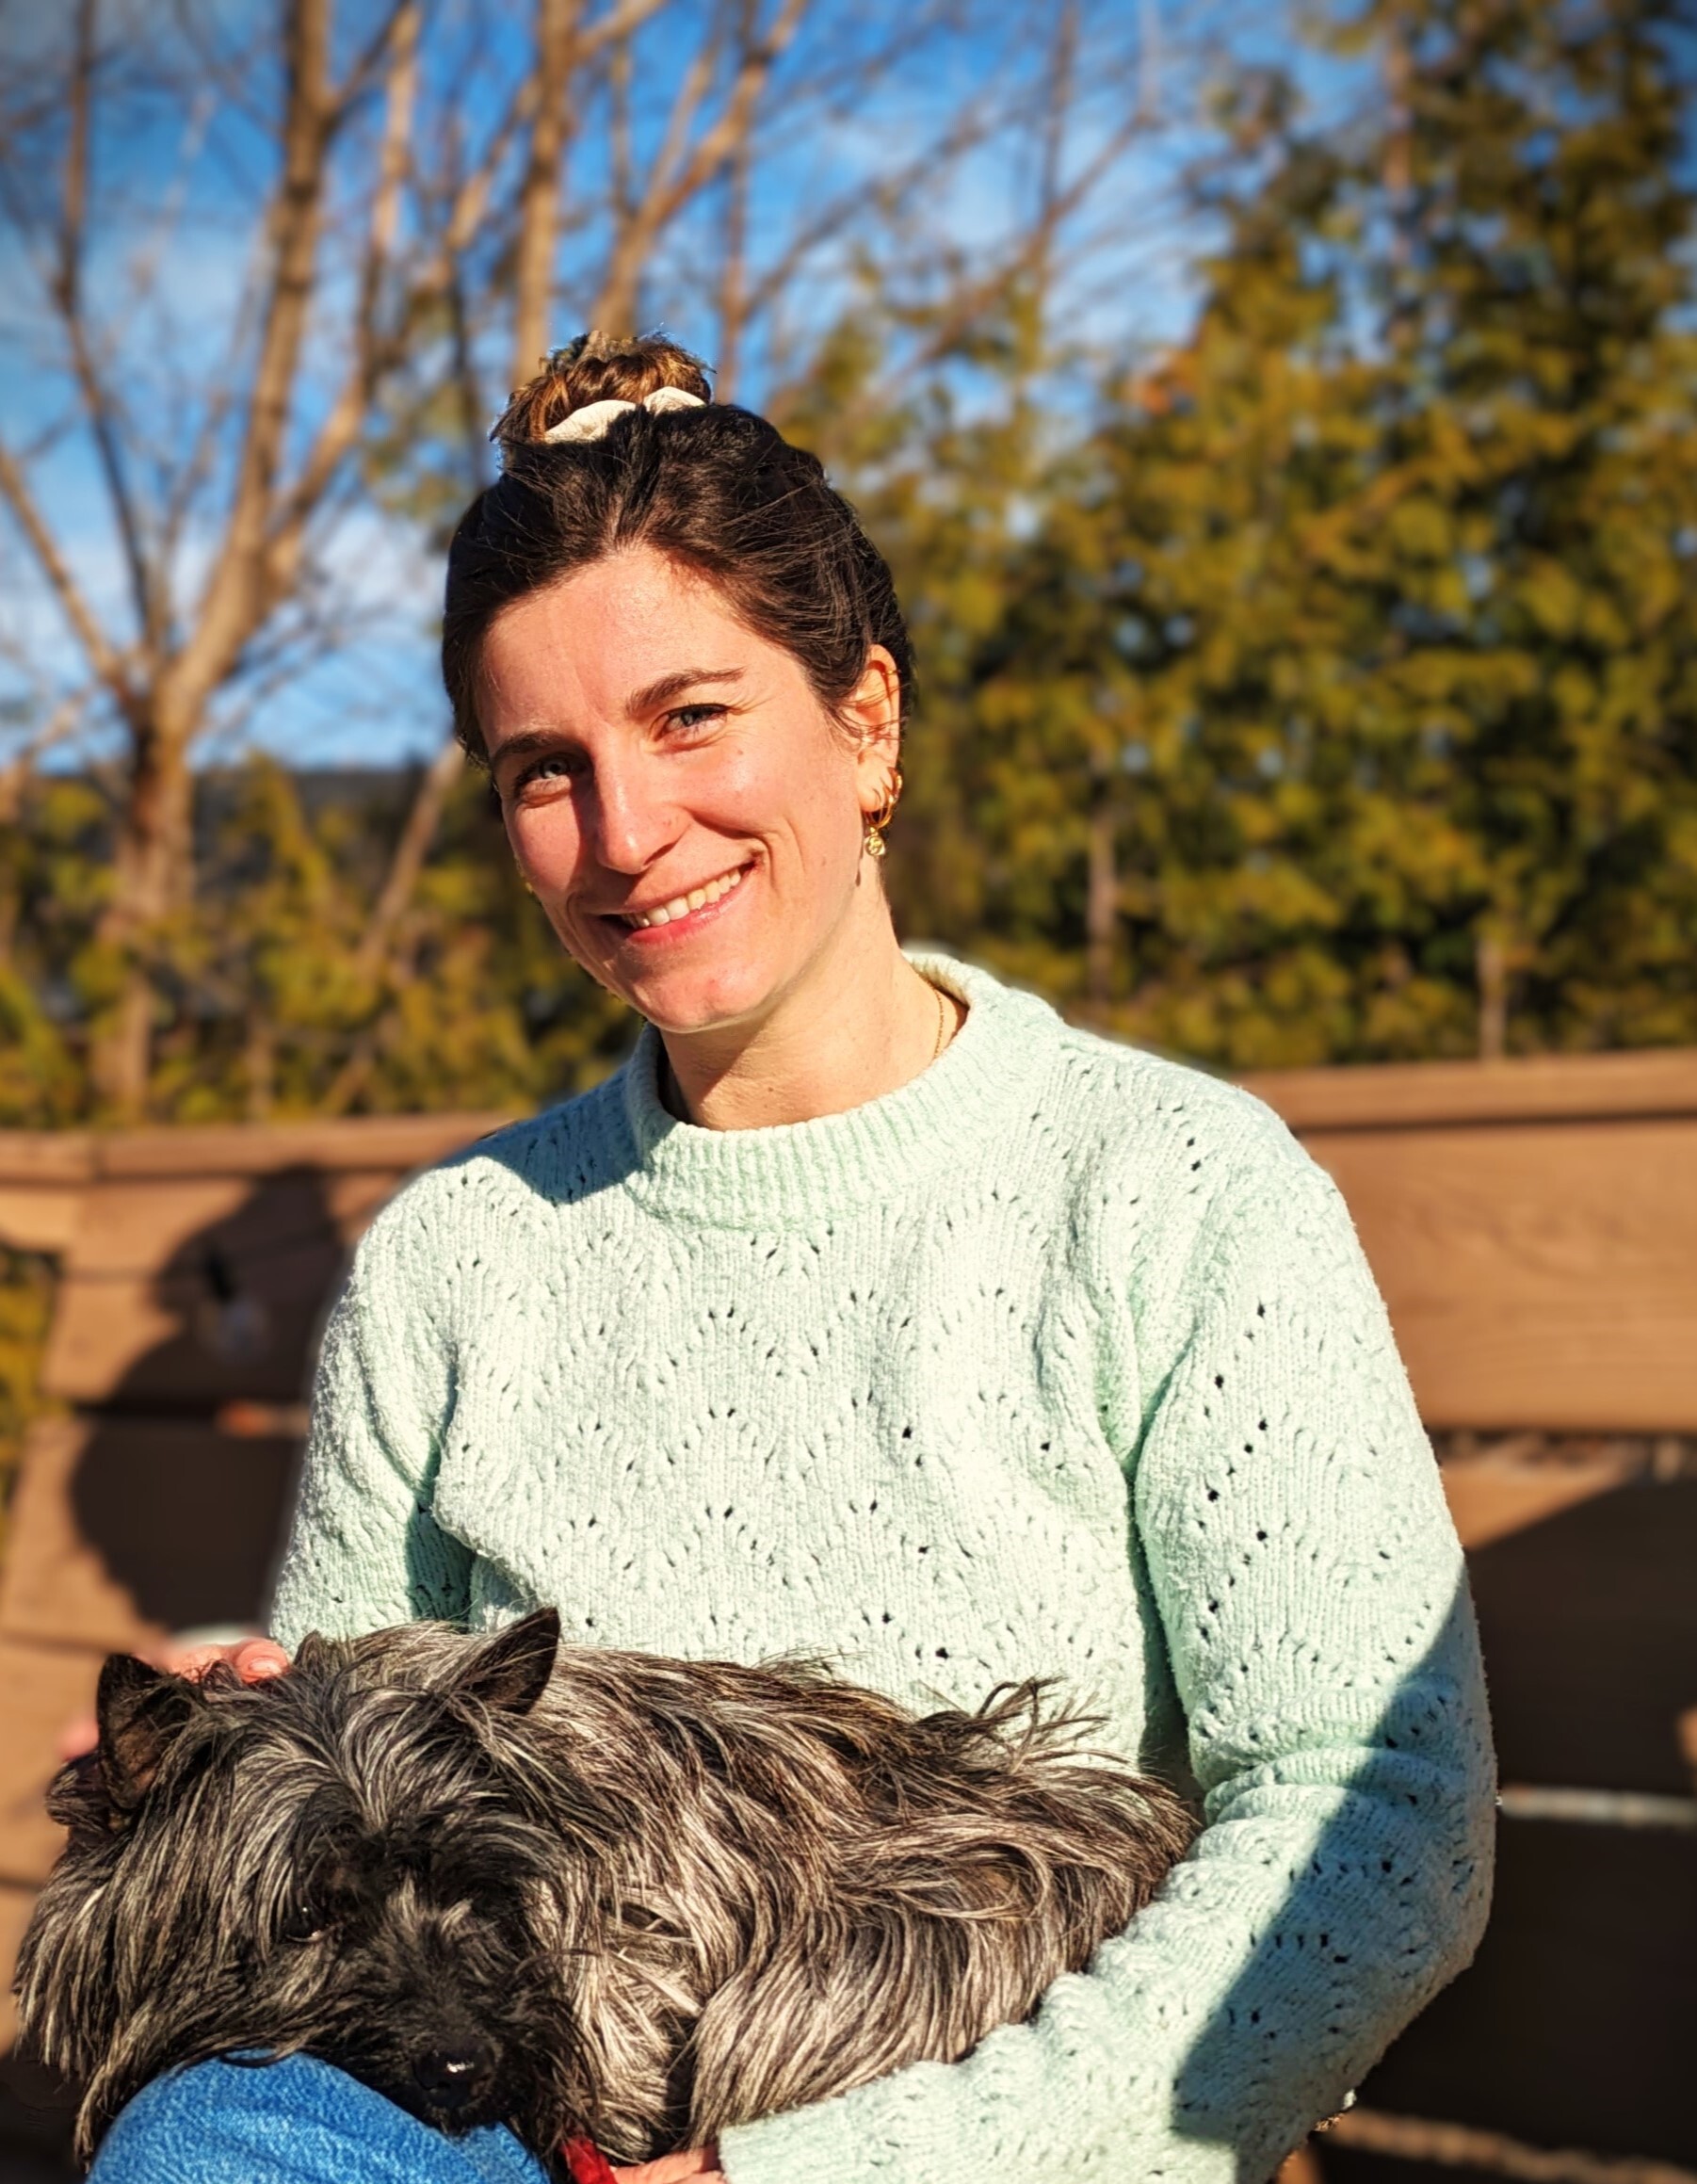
(303, 1922)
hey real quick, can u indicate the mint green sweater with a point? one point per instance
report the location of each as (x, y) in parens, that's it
(1061, 1360)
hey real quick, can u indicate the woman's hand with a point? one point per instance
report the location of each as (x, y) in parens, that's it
(700, 2165)
(254, 1660)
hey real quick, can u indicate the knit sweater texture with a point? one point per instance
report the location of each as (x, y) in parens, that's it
(1061, 1360)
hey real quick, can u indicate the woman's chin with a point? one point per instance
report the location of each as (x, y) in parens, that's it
(684, 1000)
(682, 1016)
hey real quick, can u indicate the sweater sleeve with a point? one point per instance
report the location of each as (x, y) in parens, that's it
(365, 1548)
(1316, 1614)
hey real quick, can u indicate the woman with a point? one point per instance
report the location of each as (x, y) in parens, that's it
(872, 1310)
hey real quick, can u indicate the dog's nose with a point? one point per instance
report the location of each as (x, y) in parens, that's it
(451, 2075)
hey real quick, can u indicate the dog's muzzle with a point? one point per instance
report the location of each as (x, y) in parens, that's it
(451, 2078)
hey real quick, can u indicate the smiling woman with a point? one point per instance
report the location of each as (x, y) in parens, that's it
(697, 837)
(872, 1313)
(686, 666)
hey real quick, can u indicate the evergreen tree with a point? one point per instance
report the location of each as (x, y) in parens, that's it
(1536, 546)
(1342, 696)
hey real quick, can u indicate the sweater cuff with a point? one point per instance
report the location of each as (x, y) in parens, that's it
(887, 2129)
(818, 2141)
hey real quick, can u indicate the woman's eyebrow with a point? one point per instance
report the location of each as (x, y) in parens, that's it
(653, 694)
(525, 742)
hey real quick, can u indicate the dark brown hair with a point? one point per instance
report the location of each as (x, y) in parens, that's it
(717, 490)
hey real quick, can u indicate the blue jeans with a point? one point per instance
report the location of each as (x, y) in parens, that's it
(295, 2122)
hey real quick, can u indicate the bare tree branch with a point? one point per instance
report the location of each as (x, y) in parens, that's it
(67, 290)
(410, 849)
(235, 596)
(539, 196)
(101, 656)
(341, 429)
(674, 178)
(894, 190)
(974, 297)
(637, 220)
(733, 275)
(615, 27)
(364, 70)
(64, 720)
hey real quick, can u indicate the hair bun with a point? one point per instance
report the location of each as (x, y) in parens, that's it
(596, 367)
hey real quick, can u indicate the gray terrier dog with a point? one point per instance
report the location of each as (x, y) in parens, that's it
(589, 1894)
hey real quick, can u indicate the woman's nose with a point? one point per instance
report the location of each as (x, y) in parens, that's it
(630, 821)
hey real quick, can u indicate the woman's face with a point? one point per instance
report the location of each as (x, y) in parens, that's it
(690, 817)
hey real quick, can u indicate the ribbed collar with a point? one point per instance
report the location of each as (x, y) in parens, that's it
(793, 1174)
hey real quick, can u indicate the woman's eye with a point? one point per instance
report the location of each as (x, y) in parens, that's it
(558, 765)
(689, 717)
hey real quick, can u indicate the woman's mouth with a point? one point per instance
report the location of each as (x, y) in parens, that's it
(687, 909)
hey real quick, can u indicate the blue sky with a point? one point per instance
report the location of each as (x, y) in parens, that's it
(182, 160)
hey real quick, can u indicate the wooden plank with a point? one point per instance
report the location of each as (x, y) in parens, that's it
(353, 1195)
(187, 1290)
(122, 1531)
(1490, 1498)
(400, 1142)
(46, 1156)
(42, 1690)
(1451, 2146)
(172, 1341)
(39, 1217)
(170, 1224)
(148, 1228)
(1539, 1276)
(1652, 1081)
(1589, 1626)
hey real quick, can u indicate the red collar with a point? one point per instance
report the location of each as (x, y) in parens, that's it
(587, 2162)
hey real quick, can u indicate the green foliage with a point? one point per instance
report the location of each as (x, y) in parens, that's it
(267, 1010)
(52, 978)
(1355, 646)
(25, 1306)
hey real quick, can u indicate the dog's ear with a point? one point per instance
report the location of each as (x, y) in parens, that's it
(77, 1798)
(510, 1670)
(142, 1711)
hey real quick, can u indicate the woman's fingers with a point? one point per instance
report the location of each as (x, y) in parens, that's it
(79, 1735)
(259, 1658)
(254, 1660)
(700, 2165)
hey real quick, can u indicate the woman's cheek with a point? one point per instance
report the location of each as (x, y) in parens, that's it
(546, 841)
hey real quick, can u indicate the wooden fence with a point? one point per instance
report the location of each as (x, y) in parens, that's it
(1534, 1227)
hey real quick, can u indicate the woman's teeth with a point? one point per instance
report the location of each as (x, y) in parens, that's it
(681, 905)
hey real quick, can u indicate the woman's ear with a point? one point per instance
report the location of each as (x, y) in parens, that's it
(873, 711)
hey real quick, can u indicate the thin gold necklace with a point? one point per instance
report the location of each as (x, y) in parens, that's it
(668, 1076)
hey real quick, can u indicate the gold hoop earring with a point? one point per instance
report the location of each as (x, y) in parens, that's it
(877, 821)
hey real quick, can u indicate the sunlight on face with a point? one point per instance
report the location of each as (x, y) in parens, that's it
(689, 814)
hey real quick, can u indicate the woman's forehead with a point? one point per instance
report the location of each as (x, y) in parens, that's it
(618, 636)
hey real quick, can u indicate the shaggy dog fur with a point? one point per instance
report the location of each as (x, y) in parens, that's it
(586, 1893)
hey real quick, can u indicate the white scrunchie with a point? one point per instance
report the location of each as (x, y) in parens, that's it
(591, 421)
